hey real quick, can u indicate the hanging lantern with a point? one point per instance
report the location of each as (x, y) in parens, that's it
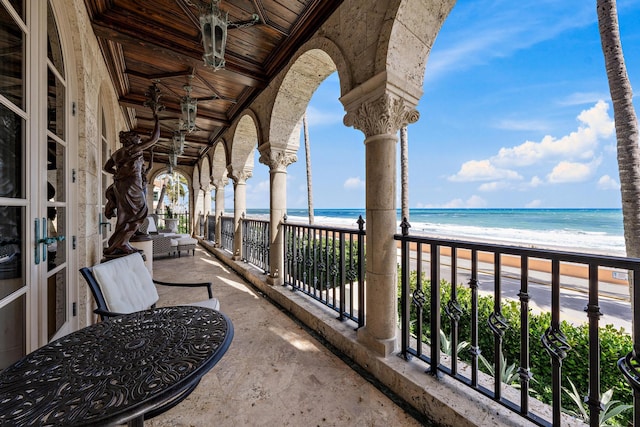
(178, 141)
(189, 107)
(213, 25)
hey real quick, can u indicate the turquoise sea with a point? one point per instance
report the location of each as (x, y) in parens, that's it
(591, 230)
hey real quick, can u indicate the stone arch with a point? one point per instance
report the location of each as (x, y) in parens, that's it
(312, 65)
(245, 140)
(205, 172)
(406, 37)
(195, 178)
(345, 73)
(219, 162)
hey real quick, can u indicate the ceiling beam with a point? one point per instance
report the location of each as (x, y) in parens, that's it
(137, 101)
(179, 54)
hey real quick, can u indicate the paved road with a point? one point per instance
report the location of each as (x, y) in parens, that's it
(614, 299)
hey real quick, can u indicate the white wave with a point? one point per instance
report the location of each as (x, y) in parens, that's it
(584, 241)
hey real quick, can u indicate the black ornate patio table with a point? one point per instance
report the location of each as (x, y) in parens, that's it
(115, 371)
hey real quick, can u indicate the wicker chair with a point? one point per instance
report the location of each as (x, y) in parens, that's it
(164, 244)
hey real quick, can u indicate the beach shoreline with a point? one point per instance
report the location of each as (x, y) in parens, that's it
(579, 271)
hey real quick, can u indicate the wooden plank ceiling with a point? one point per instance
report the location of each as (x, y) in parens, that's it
(146, 41)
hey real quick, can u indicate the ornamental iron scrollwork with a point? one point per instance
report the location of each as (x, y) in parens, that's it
(418, 298)
(556, 343)
(630, 368)
(351, 273)
(498, 324)
(453, 310)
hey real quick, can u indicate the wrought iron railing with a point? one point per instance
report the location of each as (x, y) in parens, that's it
(200, 225)
(486, 264)
(211, 228)
(327, 264)
(227, 232)
(255, 243)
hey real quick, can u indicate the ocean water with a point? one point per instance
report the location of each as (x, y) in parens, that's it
(585, 230)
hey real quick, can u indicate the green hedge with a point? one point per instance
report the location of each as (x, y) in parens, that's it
(614, 344)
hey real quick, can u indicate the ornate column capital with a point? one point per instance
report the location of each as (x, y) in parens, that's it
(239, 177)
(277, 160)
(220, 183)
(383, 115)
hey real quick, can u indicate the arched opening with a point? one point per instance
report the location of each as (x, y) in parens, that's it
(171, 201)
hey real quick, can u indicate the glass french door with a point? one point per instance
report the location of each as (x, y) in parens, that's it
(34, 180)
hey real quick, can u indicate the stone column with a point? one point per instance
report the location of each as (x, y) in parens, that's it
(380, 118)
(277, 159)
(239, 208)
(207, 207)
(219, 184)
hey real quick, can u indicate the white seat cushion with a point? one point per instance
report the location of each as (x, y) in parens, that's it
(211, 303)
(126, 284)
(186, 241)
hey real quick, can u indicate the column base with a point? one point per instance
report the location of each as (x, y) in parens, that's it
(381, 347)
(274, 280)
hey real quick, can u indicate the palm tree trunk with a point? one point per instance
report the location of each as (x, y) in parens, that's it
(160, 205)
(627, 137)
(307, 148)
(626, 123)
(404, 172)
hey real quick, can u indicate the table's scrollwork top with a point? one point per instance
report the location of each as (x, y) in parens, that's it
(114, 366)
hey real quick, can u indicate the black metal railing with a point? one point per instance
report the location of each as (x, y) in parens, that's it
(255, 243)
(428, 335)
(227, 233)
(327, 264)
(200, 227)
(211, 228)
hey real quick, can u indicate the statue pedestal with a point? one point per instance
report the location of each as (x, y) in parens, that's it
(146, 246)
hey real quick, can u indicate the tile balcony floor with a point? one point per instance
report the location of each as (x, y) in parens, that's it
(275, 373)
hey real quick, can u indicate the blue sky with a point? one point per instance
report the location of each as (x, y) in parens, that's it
(516, 113)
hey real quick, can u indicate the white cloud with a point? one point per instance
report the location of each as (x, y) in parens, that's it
(353, 183)
(476, 202)
(595, 124)
(580, 98)
(493, 186)
(472, 202)
(535, 182)
(455, 203)
(533, 204)
(565, 172)
(607, 183)
(482, 170)
(574, 154)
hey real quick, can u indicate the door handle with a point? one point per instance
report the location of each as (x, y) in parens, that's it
(36, 253)
(102, 224)
(48, 241)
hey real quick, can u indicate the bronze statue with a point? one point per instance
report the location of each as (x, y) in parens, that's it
(126, 197)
